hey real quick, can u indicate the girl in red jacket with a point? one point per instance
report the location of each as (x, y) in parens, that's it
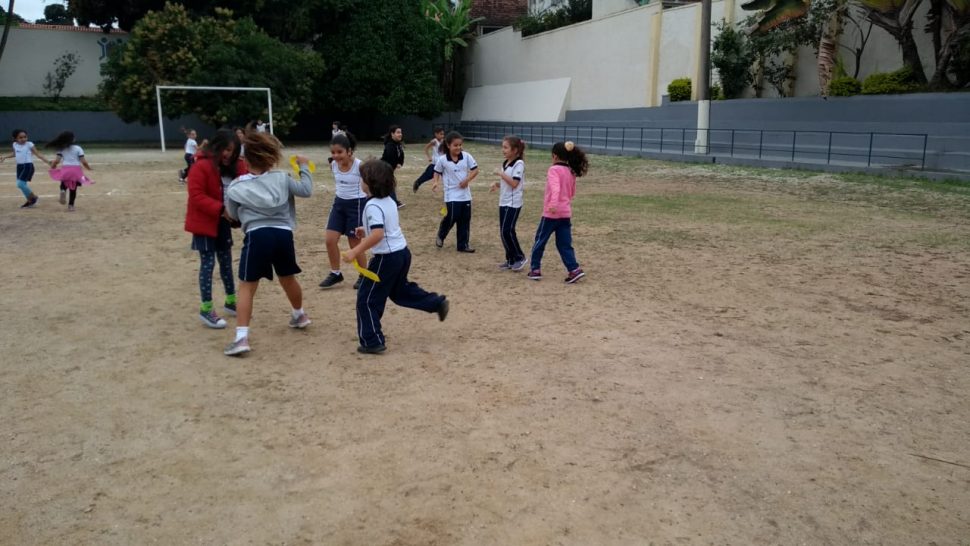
(205, 218)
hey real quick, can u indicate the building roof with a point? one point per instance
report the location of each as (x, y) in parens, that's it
(67, 28)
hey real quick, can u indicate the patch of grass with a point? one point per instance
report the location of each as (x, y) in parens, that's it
(46, 104)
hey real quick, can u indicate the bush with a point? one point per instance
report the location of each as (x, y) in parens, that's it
(679, 89)
(886, 83)
(46, 104)
(574, 11)
(733, 57)
(844, 86)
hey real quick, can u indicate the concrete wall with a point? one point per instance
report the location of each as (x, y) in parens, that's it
(544, 100)
(32, 49)
(627, 56)
(606, 60)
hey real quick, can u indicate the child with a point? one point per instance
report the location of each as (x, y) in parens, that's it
(239, 138)
(70, 175)
(391, 261)
(335, 129)
(432, 146)
(457, 169)
(568, 162)
(218, 163)
(394, 154)
(263, 201)
(347, 205)
(24, 150)
(191, 147)
(261, 127)
(512, 182)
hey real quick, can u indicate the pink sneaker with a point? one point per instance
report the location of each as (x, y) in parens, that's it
(535, 274)
(574, 276)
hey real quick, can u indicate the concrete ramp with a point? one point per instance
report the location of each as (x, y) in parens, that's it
(535, 101)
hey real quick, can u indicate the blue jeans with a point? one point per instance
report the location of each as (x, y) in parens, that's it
(562, 227)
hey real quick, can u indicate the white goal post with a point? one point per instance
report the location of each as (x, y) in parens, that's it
(158, 100)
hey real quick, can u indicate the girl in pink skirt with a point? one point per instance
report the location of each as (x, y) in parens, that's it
(70, 158)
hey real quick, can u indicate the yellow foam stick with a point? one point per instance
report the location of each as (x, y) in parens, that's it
(444, 210)
(296, 167)
(366, 272)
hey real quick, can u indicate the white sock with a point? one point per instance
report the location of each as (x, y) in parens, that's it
(297, 312)
(241, 332)
(336, 272)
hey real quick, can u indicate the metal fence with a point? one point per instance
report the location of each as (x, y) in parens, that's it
(796, 146)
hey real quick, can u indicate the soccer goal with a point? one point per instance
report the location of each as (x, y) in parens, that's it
(160, 88)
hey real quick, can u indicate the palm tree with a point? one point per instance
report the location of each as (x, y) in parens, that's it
(6, 27)
(455, 19)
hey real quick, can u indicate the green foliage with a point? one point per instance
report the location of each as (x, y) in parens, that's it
(64, 67)
(844, 86)
(885, 83)
(163, 50)
(56, 14)
(960, 63)
(574, 11)
(385, 59)
(679, 89)
(46, 104)
(732, 56)
(455, 20)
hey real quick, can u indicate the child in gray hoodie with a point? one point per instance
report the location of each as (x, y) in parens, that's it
(263, 201)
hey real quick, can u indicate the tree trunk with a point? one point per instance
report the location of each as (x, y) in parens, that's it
(6, 28)
(911, 57)
(827, 49)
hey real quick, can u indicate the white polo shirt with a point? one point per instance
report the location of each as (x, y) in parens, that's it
(191, 146)
(509, 196)
(382, 213)
(71, 155)
(452, 173)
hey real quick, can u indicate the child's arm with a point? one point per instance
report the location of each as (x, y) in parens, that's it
(468, 179)
(37, 154)
(303, 187)
(554, 187)
(434, 184)
(508, 179)
(85, 163)
(365, 244)
(56, 162)
(427, 147)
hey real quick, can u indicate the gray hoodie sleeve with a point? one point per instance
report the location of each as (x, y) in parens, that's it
(232, 207)
(302, 187)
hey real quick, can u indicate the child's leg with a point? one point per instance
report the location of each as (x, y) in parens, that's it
(294, 293)
(543, 232)
(333, 251)
(447, 222)
(371, 300)
(564, 244)
(463, 214)
(244, 303)
(503, 214)
(72, 195)
(428, 174)
(225, 271)
(406, 293)
(24, 189)
(63, 197)
(517, 253)
(207, 264)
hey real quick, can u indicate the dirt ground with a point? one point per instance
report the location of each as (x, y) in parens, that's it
(755, 357)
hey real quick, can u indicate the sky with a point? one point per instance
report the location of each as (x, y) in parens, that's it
(31, 10)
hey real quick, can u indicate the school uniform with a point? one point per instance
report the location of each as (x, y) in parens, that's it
(458, 201)
(391, 262)
(191, 147)
(394, 156)
(509, 207)
(428, 173)
(25, 166)
(348, 203)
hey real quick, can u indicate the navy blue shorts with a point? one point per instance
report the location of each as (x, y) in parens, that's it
(222, 241)
(264, 250)
(25, 171)
(345, 216)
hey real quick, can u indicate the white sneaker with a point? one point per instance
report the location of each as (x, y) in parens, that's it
(300, 322)
(237, 347)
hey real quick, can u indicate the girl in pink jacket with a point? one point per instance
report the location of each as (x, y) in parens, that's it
(568, 162)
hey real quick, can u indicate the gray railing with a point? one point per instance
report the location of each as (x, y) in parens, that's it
(797, 146)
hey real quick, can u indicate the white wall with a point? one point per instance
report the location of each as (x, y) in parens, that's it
(30, 55)
(606, 59)
(602, 8)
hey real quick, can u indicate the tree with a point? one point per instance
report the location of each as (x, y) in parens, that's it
(56, 14)
(8, 19)
(64, 67)
(456, 24)
(896, 18)
(949, 22)
(383, 58)
(171, 47)
(732, 57)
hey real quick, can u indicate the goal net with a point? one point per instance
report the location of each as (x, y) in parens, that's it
(161, 117)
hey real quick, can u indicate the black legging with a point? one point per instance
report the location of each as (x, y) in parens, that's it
(72, 194)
